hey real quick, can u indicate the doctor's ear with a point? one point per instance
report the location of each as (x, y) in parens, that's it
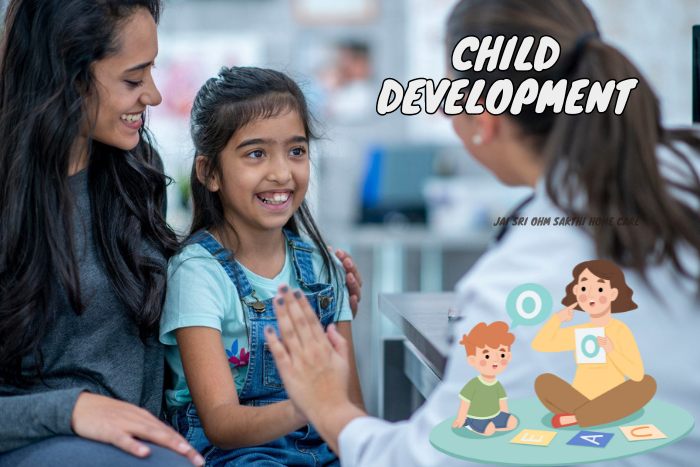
(206, 174)
(487, 126)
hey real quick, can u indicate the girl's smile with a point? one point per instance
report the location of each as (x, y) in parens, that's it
(276, 201)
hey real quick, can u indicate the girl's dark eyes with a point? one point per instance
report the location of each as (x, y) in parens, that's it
(600, 289)
(486, 357)
(503, 355)
(259, 153)
(298, 152)
(583, 289)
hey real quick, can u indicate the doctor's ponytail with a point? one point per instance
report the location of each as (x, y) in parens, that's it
(600, 164)
(614, 160)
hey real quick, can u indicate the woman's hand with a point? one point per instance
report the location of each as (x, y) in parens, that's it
(353, 280)
(313, 366)
(567, 313)
(122, 424)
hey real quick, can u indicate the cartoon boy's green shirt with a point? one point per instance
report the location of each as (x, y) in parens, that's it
(484, 397)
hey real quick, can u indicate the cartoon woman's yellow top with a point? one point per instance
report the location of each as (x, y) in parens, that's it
(594, 379)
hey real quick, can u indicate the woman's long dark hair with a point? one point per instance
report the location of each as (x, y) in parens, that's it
(610, 159)
(45, 75)
(228, 102)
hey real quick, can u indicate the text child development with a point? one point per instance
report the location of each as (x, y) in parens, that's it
(502, 95)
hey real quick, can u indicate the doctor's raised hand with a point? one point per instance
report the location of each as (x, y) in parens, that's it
(313, 365)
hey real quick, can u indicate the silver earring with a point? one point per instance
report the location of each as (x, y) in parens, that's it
(477, 139)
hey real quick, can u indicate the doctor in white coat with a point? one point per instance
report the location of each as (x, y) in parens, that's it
(593, 165)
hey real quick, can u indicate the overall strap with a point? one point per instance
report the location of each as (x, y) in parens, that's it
(301, 259)
(225, 258)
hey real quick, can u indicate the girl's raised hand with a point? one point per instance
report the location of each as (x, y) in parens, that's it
(121, 424)
(567, 314)
(353, 279)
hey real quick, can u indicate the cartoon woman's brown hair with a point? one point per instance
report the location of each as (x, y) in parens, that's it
(605, 270)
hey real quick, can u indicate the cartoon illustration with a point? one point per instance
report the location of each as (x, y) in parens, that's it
(609, 383)
(608, 392)
(484, 407)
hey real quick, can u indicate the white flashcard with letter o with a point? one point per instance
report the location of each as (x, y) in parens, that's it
(587, 348)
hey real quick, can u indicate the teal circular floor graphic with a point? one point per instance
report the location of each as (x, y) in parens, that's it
(566, 447)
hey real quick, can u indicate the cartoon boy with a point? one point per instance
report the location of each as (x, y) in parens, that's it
(484, 407)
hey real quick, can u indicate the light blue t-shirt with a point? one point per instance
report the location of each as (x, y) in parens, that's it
(200, 293)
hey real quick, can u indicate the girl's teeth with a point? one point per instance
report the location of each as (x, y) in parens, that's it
(277, 198)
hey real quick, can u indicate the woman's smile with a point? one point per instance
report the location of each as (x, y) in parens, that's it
(132, 121)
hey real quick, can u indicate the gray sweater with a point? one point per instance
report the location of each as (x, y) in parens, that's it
(99, 351)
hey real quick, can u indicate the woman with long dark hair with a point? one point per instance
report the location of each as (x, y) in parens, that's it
(83, 239)
(595, 165)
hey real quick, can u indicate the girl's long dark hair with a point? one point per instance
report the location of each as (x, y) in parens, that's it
(611, 160)
(226, 103)
(45, 74)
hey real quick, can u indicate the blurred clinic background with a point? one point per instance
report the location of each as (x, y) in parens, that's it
(399, 193)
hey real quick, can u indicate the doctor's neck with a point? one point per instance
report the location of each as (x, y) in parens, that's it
(518, 162)
(531, 171)
(530, 165)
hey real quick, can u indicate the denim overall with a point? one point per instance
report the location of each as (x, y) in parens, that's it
(263, 384)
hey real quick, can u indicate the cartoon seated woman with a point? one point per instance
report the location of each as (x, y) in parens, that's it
(609, 383)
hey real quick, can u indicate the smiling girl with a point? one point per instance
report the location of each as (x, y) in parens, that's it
(601, 392)
(251, 134)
